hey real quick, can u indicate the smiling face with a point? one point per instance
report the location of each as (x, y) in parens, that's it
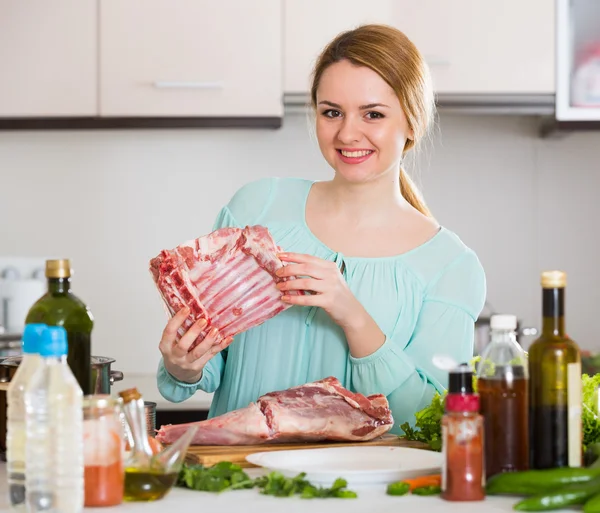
(361, 127)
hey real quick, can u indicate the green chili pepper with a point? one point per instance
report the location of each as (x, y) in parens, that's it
(592, 505)
(398, 488)
(569, 495)
(427, 490)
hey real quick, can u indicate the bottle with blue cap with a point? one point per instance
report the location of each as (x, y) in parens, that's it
(54, 426)
(15, 415)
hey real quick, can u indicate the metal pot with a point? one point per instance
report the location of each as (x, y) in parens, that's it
(102, 378)
(102, 375)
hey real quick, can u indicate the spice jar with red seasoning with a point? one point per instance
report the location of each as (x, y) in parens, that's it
(104, 447)
(463, 470)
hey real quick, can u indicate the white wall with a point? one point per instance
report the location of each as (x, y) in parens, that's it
(111, 200)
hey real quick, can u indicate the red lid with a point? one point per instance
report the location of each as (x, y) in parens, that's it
(462, 402)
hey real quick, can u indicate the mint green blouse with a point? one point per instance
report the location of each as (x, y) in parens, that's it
(425, 301)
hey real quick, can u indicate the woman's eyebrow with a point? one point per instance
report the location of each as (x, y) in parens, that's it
(362, 107)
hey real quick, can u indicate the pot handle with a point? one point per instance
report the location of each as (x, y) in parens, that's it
(115, 376)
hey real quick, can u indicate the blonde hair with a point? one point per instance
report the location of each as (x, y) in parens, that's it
(389, 53)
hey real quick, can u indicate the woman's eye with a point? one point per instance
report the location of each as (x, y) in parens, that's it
(374, 115)
(331, 113)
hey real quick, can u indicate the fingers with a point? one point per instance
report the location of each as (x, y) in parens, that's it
(190, 336)
(212, 337)
(302, 284)
(318, 272)
(308, 300)
(306, 265)
(215, 349)
(170, 332)
(300, 258)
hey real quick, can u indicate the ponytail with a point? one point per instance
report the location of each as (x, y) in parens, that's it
(411, 193)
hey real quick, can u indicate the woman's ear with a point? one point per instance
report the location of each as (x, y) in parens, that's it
(411, 134)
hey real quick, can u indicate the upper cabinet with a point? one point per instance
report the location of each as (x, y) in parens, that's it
(578, 60)
(195, 58)
(471, 46)
(47, 58)
(310, 24)
(483, 47)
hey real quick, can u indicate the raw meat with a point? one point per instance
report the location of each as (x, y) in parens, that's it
(322, 410)
(228, 277)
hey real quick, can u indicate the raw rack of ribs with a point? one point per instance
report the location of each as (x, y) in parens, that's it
(227, 277)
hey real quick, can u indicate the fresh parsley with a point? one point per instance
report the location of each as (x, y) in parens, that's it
(229, 476)
(428, 424)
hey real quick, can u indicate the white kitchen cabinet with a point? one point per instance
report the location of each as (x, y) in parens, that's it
(471, 46)
(310, 24)
(48, 58)
(191, 58)
(483, 47)
(578, 60)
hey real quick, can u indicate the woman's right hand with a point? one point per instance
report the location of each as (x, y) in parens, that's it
(181, 364)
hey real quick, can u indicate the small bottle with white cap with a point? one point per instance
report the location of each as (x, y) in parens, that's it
(502, 384)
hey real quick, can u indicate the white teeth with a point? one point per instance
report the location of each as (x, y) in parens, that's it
(361, 153)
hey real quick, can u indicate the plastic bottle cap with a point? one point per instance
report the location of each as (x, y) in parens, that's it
(54, 342)
(32, 335)
(460, 380)
(503, 322)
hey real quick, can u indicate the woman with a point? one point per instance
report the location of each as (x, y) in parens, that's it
(390, 286)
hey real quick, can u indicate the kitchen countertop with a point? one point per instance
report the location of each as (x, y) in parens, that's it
(146, 384)
(371, 498)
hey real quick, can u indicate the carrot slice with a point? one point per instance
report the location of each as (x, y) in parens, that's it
(418, 482)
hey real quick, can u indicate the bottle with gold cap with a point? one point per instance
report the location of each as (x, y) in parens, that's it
(60, 307)
(555, 436)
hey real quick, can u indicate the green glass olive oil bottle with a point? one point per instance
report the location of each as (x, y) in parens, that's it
(60, 307)
(554, 384)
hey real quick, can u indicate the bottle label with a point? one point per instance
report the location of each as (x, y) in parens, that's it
(574, 391)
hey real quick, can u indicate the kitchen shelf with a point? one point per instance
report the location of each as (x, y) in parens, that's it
(577, 77)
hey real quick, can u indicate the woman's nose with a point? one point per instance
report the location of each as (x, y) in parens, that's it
(349, 131)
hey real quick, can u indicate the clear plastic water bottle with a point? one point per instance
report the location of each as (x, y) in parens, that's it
(15, 415)
(54, 425)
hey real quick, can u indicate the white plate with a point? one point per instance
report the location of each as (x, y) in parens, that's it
(357, 465)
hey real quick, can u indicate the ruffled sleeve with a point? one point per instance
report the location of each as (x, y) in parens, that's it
(401, 368)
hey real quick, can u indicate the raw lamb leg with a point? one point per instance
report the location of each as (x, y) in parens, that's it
(322, 410)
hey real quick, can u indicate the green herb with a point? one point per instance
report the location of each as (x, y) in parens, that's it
(222, 476)
(590, 414)
(228, 476)
(428, 424)
(278, 485)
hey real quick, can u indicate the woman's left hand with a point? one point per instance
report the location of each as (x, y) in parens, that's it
(331, 292)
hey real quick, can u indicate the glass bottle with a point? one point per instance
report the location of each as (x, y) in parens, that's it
(60, 307)
(104, 449)
(16, 440)
(502, 385)
(463, 476)
(149, 476)
(555, 394)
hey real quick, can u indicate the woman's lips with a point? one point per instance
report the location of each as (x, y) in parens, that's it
(354, 156)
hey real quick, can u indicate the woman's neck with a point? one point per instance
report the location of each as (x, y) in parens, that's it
(366, 201)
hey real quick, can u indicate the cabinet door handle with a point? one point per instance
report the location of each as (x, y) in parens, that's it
(174, 84)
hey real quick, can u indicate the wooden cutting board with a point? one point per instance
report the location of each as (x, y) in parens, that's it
(208, 455)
